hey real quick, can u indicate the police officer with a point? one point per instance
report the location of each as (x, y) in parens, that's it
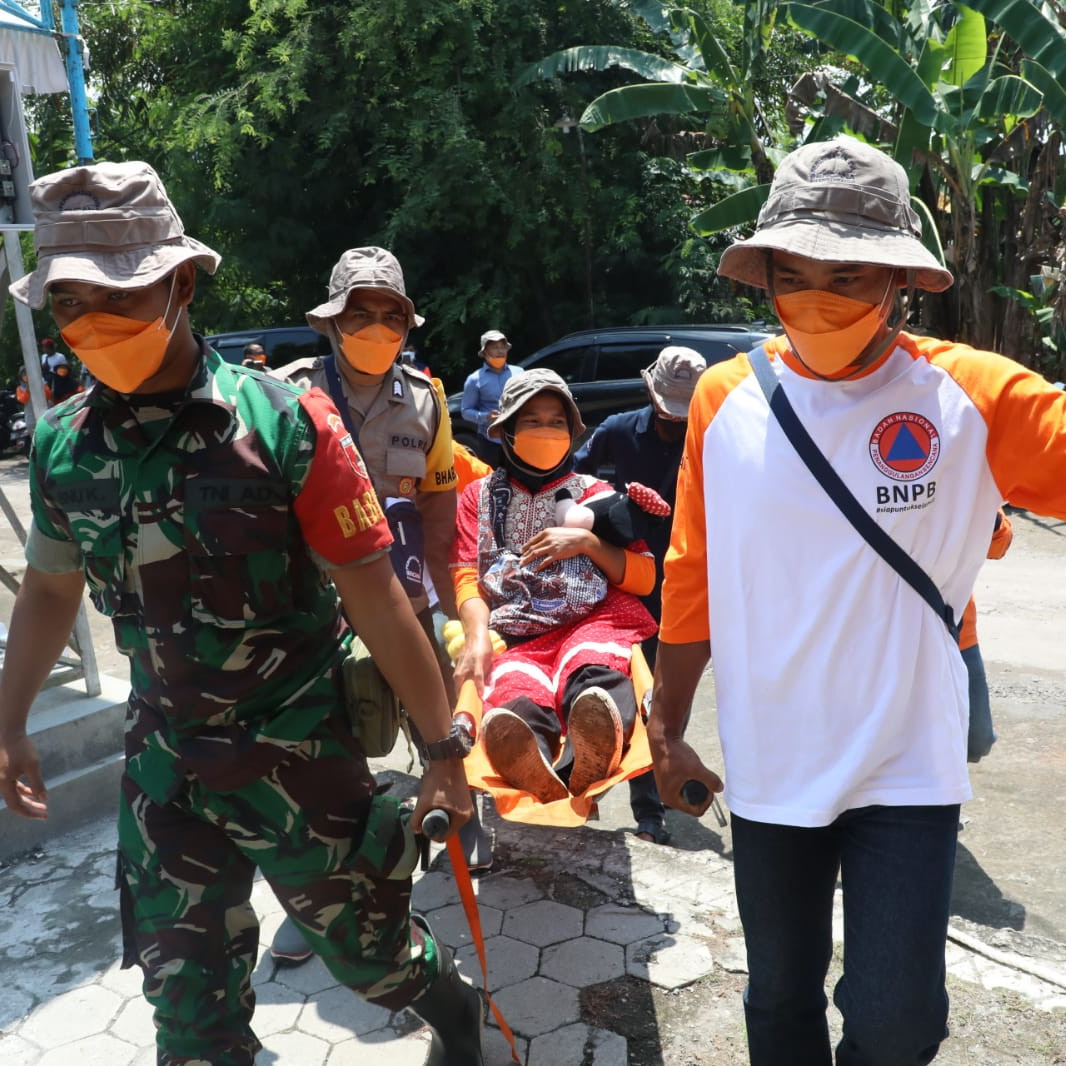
(396, 413)
(203, 505)
(400, 421)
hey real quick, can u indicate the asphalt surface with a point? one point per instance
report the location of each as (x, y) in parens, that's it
(604, 950)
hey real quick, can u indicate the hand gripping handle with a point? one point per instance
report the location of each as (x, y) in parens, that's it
(695, 793)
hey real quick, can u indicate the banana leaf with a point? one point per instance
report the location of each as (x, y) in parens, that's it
(736, 210)
(1040, 38)
(640, 101)
(885, 64)
(601, 57)
(1050, 86)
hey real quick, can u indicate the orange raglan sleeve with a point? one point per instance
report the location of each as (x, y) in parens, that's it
(684, 612)
(464, 560)
(1026, 419)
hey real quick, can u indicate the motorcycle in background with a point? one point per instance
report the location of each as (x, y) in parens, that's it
(14, 434)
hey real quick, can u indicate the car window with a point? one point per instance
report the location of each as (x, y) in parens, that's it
(286, 350)
(618, 361)
(568, 363)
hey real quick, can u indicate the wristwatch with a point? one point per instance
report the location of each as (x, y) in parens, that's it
(456, 745)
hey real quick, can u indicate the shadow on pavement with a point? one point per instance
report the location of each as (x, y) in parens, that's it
(976, 896)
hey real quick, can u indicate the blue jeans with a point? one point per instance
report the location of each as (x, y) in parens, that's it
(896, 866)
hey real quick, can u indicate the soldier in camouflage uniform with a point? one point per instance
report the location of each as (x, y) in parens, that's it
(215, 515)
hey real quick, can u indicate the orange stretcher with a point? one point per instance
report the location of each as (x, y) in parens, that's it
(517, 806)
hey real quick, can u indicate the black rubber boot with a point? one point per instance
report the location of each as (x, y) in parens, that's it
(453, 1011)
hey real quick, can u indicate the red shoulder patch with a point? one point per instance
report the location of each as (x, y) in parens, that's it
(338, 510)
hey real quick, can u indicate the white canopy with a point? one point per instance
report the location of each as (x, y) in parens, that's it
(35, 56)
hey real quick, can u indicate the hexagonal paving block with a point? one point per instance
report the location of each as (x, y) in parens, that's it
(450, 924)
(573, 1043)
(497, 1051)
(72, 1016)
(669, 961)
(408, 1050)
(543, 922)
(432, 890)
(506, 893)
(309, 978)
(134, 1022)
(538, 1005)
(509, 962)
(276, 1009)
(583, 961)
(100, 1050)
(622, 925)
(337, 1013)
(14, 1051)
(294, 1047)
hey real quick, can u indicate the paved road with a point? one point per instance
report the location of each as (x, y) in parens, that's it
(604, 950)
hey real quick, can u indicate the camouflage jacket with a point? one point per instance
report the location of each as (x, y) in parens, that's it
(203, 522)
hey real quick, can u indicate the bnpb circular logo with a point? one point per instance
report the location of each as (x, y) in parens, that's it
(905, 446)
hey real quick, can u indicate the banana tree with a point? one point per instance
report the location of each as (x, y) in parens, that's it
(704, 82)
(957, 105)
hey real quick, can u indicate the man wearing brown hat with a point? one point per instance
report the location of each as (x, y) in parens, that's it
(841, 695)
(204, 505)
(482, 390)
(400, 421)
(396, 413)
(645, 446)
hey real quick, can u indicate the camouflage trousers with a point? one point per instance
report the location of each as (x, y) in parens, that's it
(185, 876)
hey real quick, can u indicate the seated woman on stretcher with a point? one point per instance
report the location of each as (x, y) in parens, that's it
(563, 599)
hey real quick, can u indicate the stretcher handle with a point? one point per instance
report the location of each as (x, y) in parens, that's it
(695, 793)
(435, 824)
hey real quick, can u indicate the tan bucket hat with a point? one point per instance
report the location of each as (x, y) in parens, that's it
(672, 378)
(107, 224)
(492, 335)
(838, 201)
(523, 387)
(362, 268)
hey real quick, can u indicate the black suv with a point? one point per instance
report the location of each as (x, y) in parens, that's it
(602, 366)
(282, 344)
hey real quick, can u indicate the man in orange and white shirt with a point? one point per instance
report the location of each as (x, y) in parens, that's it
(842, 696)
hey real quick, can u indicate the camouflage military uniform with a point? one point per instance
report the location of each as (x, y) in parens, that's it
(203, 522)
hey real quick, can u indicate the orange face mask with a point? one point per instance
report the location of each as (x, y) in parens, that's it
(497, 362)
(828, 332)
(372, 350)
(542, 449)
(121, 352)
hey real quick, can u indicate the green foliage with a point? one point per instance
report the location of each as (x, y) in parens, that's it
(288, 131)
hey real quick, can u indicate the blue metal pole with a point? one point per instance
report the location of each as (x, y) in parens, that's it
(72, 54)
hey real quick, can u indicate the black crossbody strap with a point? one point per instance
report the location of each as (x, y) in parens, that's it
(336, 394)
(841, 495)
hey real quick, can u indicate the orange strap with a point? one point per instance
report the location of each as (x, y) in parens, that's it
(473, 917)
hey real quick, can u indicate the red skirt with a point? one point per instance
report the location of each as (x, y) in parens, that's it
(539, 668)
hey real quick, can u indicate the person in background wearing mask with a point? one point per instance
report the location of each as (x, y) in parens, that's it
(645, 446)
(400, 422)
(564, 600)
(481, 392)
(254, 356)
(842, 697)
(409, 355)
(205, 508)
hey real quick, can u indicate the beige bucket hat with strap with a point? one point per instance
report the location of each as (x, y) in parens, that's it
(362, 268)
(838, 201)
(106, 224)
